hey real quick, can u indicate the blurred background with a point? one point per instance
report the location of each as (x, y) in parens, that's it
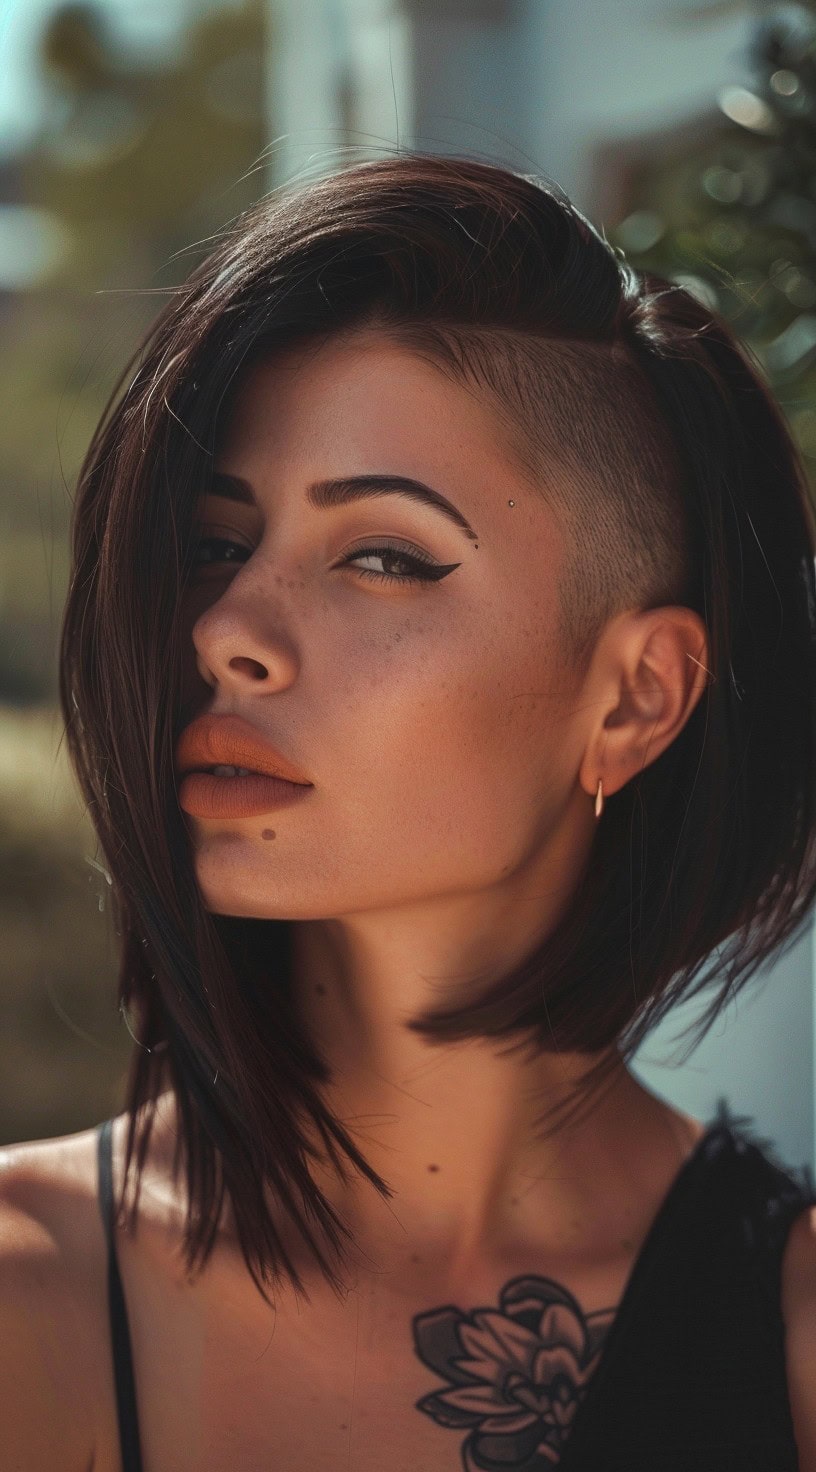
(130, 132)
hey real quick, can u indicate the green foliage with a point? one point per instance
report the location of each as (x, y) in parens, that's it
(65, 1047)
(732, 214)
(137, 162)
(141, 164)
(152, 154)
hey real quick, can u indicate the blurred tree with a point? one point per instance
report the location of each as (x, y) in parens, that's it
(151, 155)
(733, 216)
(141, 161)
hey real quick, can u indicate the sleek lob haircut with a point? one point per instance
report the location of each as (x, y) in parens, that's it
(681, 484)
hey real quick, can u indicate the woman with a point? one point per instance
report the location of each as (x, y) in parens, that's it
(437, 666)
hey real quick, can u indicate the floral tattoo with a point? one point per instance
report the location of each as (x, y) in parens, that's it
(518, 1374)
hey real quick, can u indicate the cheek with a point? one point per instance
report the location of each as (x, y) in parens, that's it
(454, 734)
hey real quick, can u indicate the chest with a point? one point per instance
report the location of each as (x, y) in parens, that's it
(403, 1377)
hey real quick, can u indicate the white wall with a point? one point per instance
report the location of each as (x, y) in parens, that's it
(610, 68)
(759, 1054)
(323, 50)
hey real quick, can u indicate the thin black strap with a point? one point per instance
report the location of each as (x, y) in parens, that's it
(120, 1333)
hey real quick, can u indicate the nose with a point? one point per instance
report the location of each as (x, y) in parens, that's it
(240, 647)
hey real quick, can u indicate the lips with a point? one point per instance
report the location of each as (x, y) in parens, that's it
(229, 740)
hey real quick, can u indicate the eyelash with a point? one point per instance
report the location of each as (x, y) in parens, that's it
(433, 572)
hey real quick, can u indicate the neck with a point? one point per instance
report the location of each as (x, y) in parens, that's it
(455, 1129)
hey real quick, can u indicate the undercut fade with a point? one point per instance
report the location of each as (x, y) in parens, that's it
(585, 431)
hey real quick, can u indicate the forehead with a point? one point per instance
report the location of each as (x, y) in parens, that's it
(358, 395)
(364, 406)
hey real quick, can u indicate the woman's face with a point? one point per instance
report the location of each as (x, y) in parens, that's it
(432, 717)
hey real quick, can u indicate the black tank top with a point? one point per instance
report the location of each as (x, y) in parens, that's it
(692, 1371)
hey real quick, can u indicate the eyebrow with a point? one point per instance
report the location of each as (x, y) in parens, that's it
(325, 494)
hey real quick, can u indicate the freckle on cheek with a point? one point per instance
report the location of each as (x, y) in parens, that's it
(268, 833)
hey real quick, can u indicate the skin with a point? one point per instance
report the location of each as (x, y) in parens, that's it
(455, 762)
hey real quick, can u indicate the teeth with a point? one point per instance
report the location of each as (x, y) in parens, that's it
(233, 772)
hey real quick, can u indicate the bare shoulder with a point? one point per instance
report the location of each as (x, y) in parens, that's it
(50, 1179)
(798, 1302)
(799, 1259)
(51, 1286)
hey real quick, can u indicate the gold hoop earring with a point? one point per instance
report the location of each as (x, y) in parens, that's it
(599, 799)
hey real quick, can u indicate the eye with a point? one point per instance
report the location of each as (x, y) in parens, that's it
(424, 569)
(209, 551)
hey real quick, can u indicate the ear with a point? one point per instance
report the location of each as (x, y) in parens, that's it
(647, 674)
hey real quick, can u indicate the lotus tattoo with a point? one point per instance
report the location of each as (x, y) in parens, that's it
(517, 1373)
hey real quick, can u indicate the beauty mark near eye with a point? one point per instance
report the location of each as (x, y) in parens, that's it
(326, 494)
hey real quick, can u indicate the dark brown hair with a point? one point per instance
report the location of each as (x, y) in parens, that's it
(680, 484)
